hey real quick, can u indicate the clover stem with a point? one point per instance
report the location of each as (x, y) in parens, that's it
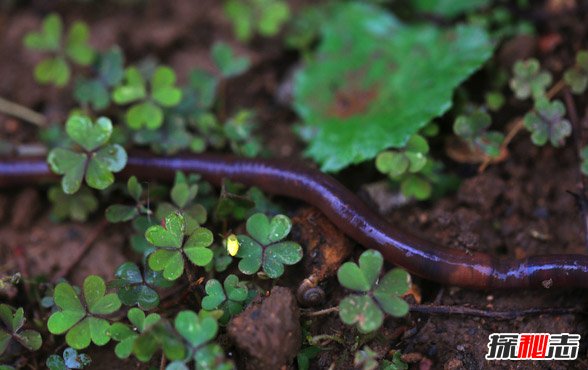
(22, 112)
(325, 311)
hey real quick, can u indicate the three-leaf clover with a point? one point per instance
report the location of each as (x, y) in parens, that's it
(412, 158)
(528, 79)
(120, 212)
(263, 16)
(75, 47)
(171, 248)
(71, 359)
(377, 296)
(146, 110)
(546, 123)
(239, 131)
(95, 161)
(265, 248)
(76, 206)
(473, 128)
(183, 194)
(126, 335)
(229, 296)
(11, 323)
(96, 91)
(577, 76)
(136, 287)
(83, 322)
(228, 64)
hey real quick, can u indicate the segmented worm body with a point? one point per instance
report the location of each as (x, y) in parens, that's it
(352, 216)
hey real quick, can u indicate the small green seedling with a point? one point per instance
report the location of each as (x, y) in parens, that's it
(126, 335)
(229, 296)
(11, 323)
(395, 364)
(200, 93)
(265, 247)
(228, 64)
(75, 47)
(546, 123)
(239, 132)
(136, 287)
(577, 76)
(71, 359)
(378, 296)
(76, 207)
(198, 331)
(146, 110)
(122, 213)
(95, 161)
(84, 323)
(529, 80)
(172, 247)
(183, 195)
(250, 16)
(96, 91)
(410, 159)
(473, 128)
(366, 359)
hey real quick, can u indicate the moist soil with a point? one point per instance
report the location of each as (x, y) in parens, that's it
(518, 207)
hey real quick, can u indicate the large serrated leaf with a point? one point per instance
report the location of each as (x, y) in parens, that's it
(374, 83)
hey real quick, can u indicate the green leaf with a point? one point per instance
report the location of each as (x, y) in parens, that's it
(146, 115)
(99, 330)
(66, 298)
(215, 295)
(529, 80)
(360, 104)
(75, 360)
(194, 329)
(68, 163)
(196, 247)
(49, 38)
(227, 62)
(134, 188)
(163, 90)
(88, 135)
(172, 235)
(91, 92)
(77, 47)
(76, 206)
(79, 337)
(170, 262)
(417, 187)
(449, 8)
(390, 288)
(132, 89)
(53, 70)
(280, 254)
(546, 123)
(98, 302)
(361, 277)
(30, 339)
(250, 253)
(361, 310)
(121, 213)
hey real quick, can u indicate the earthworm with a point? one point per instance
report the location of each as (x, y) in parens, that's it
(351, 215)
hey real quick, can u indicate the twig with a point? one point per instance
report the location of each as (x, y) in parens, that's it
(66, 270)
(502, 315)
(467, 311)
(518, 125)
(22, 112)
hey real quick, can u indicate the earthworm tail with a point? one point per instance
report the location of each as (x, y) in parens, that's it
(419, 256)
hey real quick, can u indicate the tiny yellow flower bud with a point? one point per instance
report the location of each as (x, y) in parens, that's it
(232, 244)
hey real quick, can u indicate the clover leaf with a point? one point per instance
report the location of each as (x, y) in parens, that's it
(137, 239)
(146, 110)
(229, 297)
(159, 335)
(95, 91)
(172, 249)
(577, 76)
(183, 195)
(239, 132)
(136, 287)
(362, 92)
(265, 248)
(473, 128)
(227, 62)
(75, 47)
(76, 206)
(71, 359)
(120, 212)
(529, 80)
(11, 323)
(412, 158)
(546, 123)
(83, 322)
(126, 336)
(378, 296)
(263, 16)
(95, 161)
